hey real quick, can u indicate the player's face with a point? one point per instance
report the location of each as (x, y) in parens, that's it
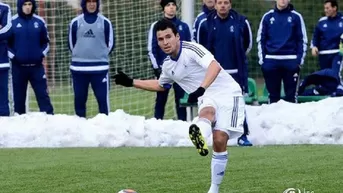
(170, 10)
(27, 8)
(223, 6)
(282, 3)
(329, 10)
(209, 3)
(91, 6)
(167, 40)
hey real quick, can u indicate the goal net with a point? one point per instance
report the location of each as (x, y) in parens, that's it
(131, 20)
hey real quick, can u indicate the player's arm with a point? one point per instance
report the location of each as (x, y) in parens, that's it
(188, 36)
(109, 35)
(247, 39)
(72, 34)
(152, 51)
(301, 40)
(315, 40)
(261, 39)
(44, 39)
(211, 74)
(149, 85)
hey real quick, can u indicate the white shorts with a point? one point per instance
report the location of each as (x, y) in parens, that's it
(230, 113)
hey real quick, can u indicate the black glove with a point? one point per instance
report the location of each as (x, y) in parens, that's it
(122, 79)
(157, 72)
(193, 97)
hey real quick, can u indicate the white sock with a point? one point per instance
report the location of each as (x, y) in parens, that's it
(218, 167)
(205, 126)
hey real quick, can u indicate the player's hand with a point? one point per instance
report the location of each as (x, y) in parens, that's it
(122, 79)
(193, 97)
(314, 51)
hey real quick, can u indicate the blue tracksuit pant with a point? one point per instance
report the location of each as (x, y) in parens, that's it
(161, 101)
(329, 60)
(4, 106)
(277, 71)
(21, 76)
(100, 86)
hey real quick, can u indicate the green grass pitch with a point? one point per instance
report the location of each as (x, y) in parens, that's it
(267, 169)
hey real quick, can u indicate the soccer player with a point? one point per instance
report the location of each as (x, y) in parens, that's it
(27, 47)
(282, 44)
(157, 56)
(199, 25)
(91, 40)
(5, 33)
(230, 40)
(326, 36)
(220, 100)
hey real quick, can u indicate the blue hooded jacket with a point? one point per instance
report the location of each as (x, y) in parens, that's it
(29, 43)
(5, 33)
(229, 40)
(200, 27)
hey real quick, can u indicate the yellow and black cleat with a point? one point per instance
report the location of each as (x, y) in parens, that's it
(198, 140)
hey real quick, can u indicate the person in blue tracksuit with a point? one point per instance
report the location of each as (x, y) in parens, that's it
(91, 40)
(230, 40)
(326, 36)
(27, 47)
(156, 56)
(282, 45)
(199, 32)
(5, 33)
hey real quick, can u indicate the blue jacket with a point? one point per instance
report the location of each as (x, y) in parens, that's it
(326, 36)
(5, 33)
(29, 43)
(282, 35)
(229, 40)
(90, 18)
(156, 55)
(326, 82)
(200, 27)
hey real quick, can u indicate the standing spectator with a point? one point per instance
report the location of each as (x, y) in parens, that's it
(91, 40)
(5, 33)
(199, 26)
(27, 47)
(326, 36)
(230, 40)
(282, 44)
(157, 56)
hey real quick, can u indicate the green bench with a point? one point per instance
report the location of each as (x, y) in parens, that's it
(264, 99)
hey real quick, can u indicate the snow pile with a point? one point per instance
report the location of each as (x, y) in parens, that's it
(280, 123)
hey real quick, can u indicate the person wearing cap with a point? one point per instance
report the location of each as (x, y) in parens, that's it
(91, 41)
(156, 56)
(282, 45)
(27, 47)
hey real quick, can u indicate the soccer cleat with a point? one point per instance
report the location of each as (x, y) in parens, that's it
(243, 141)
(198, 140)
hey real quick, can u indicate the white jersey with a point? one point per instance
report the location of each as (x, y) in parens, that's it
(189, 70)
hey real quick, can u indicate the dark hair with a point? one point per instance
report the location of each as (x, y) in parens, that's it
(164, 24)
(334, 3)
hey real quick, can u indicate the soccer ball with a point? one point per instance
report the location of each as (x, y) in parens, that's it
(127, 191)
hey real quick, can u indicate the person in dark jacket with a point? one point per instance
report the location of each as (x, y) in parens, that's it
(156, 56)
(230, 40)
(27, 47)
(5, 33)
(282, 45)
(326, 36)
(199, 31)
